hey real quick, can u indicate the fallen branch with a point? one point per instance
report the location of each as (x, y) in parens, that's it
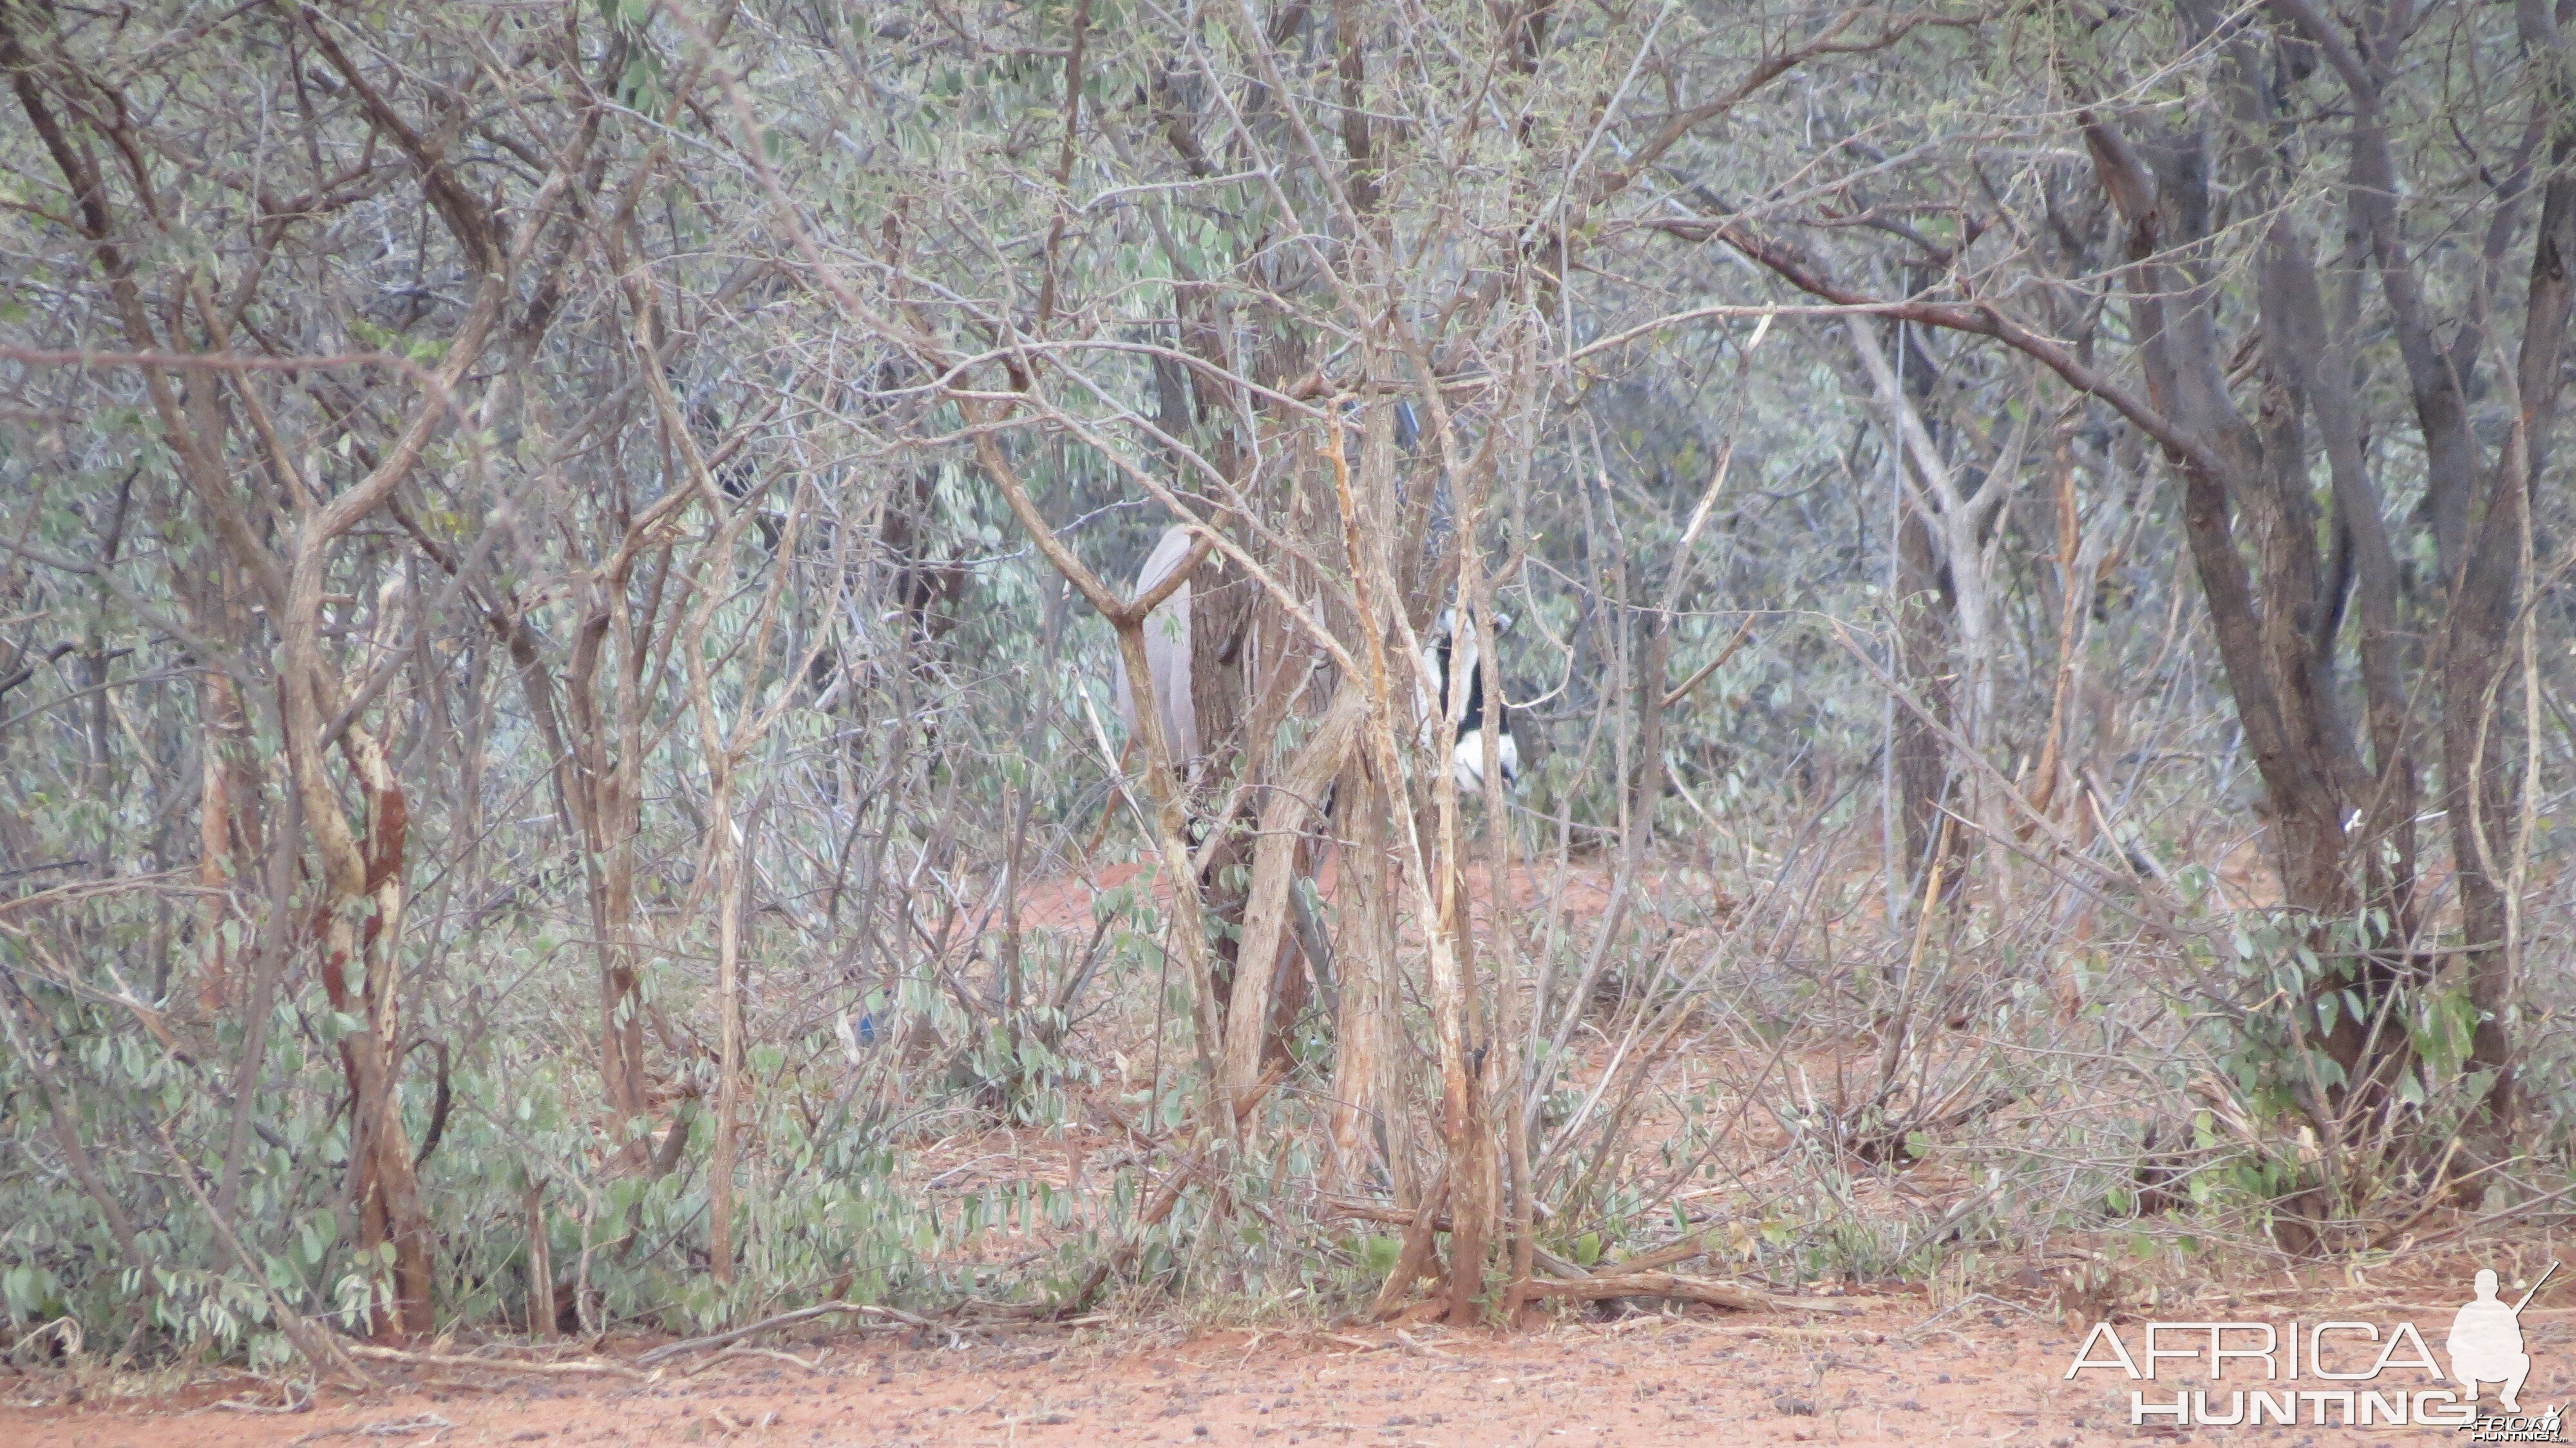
(1652, 1284)
(507, 1365)
(1392, 1216)
(1423, 1349)
(731, 1336)
(1672, 1254)
(381, 1428)
(1773, 1331)
(293, 1404)
(740, 1351)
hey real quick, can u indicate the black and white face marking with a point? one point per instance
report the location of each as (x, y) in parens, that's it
(1468, 760)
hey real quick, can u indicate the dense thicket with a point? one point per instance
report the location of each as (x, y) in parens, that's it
(562, 567)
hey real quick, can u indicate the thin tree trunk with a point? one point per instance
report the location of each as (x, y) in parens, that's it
(726, 866)
(541, 1268)
(1274, 862)
(1365, 1127)
(276, 939)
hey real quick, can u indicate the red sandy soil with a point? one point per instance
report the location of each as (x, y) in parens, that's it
(1981, 1372)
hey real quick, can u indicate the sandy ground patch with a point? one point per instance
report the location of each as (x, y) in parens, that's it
(1986, 1373)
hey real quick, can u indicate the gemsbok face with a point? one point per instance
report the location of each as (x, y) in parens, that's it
(1484, 737)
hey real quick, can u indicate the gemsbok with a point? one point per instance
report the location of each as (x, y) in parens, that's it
(1484, 736)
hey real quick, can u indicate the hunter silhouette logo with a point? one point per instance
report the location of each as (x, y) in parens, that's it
(2365, 1373)
(2486, 1340)
(2486, 1347)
